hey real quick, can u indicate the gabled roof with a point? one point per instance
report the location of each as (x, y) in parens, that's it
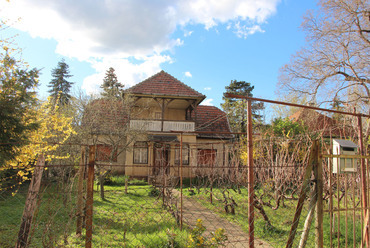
(317, 122)
(163, 84)
(212, 119)
(345, 143)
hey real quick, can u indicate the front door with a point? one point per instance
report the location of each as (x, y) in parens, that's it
(161, 159)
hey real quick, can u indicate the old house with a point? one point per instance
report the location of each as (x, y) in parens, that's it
(166, 115)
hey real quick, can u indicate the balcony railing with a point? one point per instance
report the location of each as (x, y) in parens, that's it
(156, 125)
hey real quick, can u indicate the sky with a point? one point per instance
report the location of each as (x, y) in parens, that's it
(203, 43)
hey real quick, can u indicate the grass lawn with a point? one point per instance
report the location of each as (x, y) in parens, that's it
(136, 219)
(281, 219)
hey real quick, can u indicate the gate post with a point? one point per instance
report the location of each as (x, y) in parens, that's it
(250, 176)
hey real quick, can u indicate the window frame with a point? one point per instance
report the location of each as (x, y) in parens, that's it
(186, 154)
(140, 152)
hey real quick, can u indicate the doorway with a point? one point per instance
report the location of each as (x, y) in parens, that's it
(161, 159)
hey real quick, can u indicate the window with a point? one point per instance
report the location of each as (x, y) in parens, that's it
(141, 153)
(105, 153)
(185, 154)
(206, 156)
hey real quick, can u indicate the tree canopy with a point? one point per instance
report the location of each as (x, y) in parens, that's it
(54, 128)
(111, 87)
(334, 64)
(60, 86)
(236, 110)
(17, 101)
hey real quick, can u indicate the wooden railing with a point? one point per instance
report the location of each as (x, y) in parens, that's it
(156, 125)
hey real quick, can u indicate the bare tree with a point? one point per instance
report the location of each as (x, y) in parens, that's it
(334, 65)
(106, 123)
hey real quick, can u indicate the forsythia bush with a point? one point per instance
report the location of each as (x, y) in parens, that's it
(196, 238)
(54, 129)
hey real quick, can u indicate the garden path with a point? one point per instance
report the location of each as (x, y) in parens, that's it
(192, 211)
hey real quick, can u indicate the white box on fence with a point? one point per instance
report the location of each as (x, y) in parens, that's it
(344, 147)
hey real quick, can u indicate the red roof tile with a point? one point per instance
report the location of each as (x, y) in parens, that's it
(317, 122)
(163, 83)
(211, 119)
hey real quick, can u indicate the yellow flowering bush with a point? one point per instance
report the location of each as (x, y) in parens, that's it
(196, 238)
(54, 129)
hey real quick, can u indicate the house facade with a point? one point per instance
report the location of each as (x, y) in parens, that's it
(170, 130)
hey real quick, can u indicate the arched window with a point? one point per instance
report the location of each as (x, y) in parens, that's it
(140, 152)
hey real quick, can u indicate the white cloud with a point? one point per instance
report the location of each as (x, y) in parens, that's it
(207, 88)
(98, 31)
(243, 31)
(188, 33)
(207, 102)
(127, 27)
(128, 73)
(188, 74)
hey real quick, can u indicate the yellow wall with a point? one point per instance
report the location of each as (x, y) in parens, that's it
(147, 109)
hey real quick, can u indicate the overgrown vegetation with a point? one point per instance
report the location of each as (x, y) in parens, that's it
(135, 219)
(276, 231)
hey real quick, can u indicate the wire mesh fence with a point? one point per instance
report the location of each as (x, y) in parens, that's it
(190, 195)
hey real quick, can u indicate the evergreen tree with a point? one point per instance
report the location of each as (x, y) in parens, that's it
(236, 109)
(17, 102)
(59, 85)
(111, 86)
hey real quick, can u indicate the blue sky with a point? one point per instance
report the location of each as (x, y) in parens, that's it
(203, 43)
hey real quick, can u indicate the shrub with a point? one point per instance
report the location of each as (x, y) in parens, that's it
(196, 238)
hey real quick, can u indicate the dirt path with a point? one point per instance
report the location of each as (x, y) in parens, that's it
(192, 211)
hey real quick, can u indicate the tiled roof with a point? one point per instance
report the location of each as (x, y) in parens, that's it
(212, 119)
(317, 122)
(163, 83)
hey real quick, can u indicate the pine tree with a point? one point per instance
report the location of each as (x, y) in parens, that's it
(59, 85)
(236, 110)
(111, 86)
(17, 103)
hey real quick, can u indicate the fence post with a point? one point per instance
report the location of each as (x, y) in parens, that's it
(302, 197)
(363, 184)
(316, 203)
(250, 176)
(181, 196)
(31, 203)
(89, 197)
(81, 173)
(318, 172)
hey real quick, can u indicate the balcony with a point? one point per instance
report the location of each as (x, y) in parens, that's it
(156, 125)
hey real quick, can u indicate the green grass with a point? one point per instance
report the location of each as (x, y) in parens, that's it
(11, 213)
(135, 219)
(281, 219)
